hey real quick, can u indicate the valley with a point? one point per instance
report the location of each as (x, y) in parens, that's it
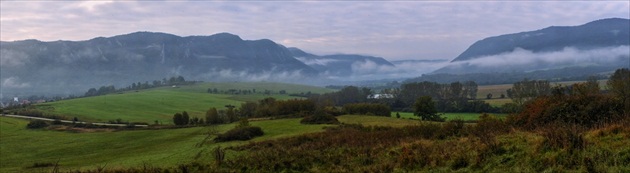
(314, 86)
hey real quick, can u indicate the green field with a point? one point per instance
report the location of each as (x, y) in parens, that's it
(161, 103)
(20, 148)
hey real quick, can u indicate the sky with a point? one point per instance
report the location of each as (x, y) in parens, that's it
(395, 30)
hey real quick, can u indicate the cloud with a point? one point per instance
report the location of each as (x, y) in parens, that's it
(11, 58)
(526, 60)
(14, 82)
(242, 75)
(316, 61)
(369, 70)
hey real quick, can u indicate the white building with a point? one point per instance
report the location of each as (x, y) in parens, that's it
(380, 96)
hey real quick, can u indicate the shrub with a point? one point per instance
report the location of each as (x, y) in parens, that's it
(453, 127)
(367, 108)
(42, 164)
(241, 134)
(563, 136)
(584, 110)
(37, 124)
(487, 128)
(320, 119)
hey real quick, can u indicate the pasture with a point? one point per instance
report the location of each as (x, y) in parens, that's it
(159, 104)
(21, 148)
(497, 90)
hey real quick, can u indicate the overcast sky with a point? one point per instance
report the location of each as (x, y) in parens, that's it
(393, 30)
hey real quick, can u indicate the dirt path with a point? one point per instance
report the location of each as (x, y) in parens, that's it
(67, 121)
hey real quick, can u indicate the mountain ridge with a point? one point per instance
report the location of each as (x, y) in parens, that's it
(561, 37)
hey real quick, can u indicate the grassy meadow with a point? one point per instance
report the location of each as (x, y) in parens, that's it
(21, 148)
(161, 103)
(134, 148)
(404, 145)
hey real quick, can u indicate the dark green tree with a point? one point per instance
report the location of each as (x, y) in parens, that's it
(424, 107)
(619, 85)
(230, 114)
(178, 119)
(212, 116)
(185, 118)
(248, 109)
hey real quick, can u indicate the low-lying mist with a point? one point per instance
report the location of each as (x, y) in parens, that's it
(521, 60)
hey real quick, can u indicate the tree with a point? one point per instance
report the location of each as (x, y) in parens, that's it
(397, 115)
(212, 116)
(91, 92)
(592, 83)
(248, 109)
(619, 85)
(489, 96)
(185, 118)
(178, 119)
(230, 114)
(424, 107)
(526, 90)
(471, 87)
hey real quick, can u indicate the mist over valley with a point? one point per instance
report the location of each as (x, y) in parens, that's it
(32, 67)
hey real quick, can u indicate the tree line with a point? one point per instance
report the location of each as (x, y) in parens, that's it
(179, 80)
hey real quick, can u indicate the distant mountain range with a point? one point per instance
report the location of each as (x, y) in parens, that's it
(555, 53)
(599, 43)
(339, 65)
(37, 67)
(71, 67)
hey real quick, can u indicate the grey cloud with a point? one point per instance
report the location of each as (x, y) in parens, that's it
(10, 58)
(14, 82)
(271, 75)
(369, 70)
(521, 59)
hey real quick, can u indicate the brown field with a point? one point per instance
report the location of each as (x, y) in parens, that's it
(497, 90)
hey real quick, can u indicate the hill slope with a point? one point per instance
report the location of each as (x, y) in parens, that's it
(602, 43)
(77, 65)
(341, 65)
(161, 103)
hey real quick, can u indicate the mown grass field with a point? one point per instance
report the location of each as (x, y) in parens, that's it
(161, 103)
(20, 148)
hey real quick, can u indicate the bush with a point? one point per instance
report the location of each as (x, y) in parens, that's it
(37, 124)
(241, 134)
(563, 136)
(584, 110)
(320, 119)
(453, 127)
(42, 164)
(366, 108)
